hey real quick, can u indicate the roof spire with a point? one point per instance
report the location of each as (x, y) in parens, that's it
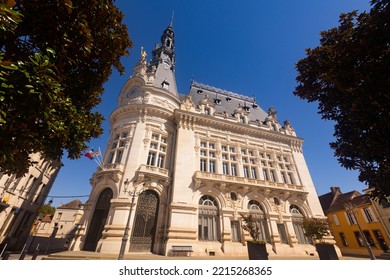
(163, 60)
(171, 23)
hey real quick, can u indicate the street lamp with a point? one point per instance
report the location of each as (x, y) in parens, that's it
(125, 237)
(352, 210)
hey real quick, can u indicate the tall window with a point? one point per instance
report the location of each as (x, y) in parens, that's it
(249, 161)
(359, 238)
(236, 231)
(369, 238)
(297, 219)
(229, 160)
(257, 211)
(351, 218)
(268, 166)
(157, 151)
(336, 220)
(246, 171)
(253, 173)
(203, 165)
(343, 239)
(117, 147)
(225, 168)
(233, 169)
(208, 219)
(212, 166)
(286, 169)
(368, 215)
(151, 158)
(207, 157)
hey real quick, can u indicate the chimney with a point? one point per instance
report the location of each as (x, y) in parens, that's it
(335, 190)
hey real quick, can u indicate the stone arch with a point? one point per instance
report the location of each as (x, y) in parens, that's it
(98, 221)
(260, 198)
(209, 225)
(299, 203)
(297, 216)
(217, 194)
(258, 211)
(145, 222)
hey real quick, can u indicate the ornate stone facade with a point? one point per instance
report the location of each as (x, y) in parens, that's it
(20, 199)
(205, 159)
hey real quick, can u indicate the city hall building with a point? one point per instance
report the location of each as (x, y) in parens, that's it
(182, 169)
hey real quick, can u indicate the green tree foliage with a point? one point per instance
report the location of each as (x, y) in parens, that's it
(349, 76)
(316, 228)
(55, 56)
(46, 209)
(253, 227)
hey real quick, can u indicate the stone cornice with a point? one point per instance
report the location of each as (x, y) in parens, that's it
(190, 120)
(139, 110)
(224, 182)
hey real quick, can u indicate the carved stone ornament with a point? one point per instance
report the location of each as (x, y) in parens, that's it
(288, 128)
(206, 101)
(187, 103)
(277, 207)
(146, 98)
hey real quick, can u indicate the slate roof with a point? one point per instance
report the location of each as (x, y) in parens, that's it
(335, 200)
(229, 101)
(338, 203)
(74, 204)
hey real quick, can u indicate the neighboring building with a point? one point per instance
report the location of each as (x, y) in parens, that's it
(54, 233)
(64, 220)
(382, 206)
(42, 226)
(345, 223)
(20, 199)
(197, 161)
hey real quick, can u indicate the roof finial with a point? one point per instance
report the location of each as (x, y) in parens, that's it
(171, 23)
(143, 54)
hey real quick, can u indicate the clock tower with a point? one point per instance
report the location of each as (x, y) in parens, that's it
(163, 61)
(139, 155)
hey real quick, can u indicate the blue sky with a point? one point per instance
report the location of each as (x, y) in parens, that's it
(249, 47)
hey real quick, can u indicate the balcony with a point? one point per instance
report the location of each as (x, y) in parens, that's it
(111, 171)
(203, 178)
(147, 172)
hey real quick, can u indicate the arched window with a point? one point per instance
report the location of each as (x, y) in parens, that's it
(257, 211)
(208, 225)
(297, 219)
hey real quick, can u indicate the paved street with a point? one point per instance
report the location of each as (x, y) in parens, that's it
(83, 255)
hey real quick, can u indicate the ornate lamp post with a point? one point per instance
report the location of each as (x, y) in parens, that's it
(125, 238)
(352, 210)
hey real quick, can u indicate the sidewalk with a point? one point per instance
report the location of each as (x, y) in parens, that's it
(84, 255)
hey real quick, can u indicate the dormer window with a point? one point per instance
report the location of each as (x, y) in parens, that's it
(217, 101)
(247, 109)
(165, 84)
(255, 106)
(199, 91)
(207, 111)
(228, 99)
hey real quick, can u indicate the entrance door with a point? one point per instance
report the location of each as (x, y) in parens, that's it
(144, 229)
(98, 221)
(381, 240)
